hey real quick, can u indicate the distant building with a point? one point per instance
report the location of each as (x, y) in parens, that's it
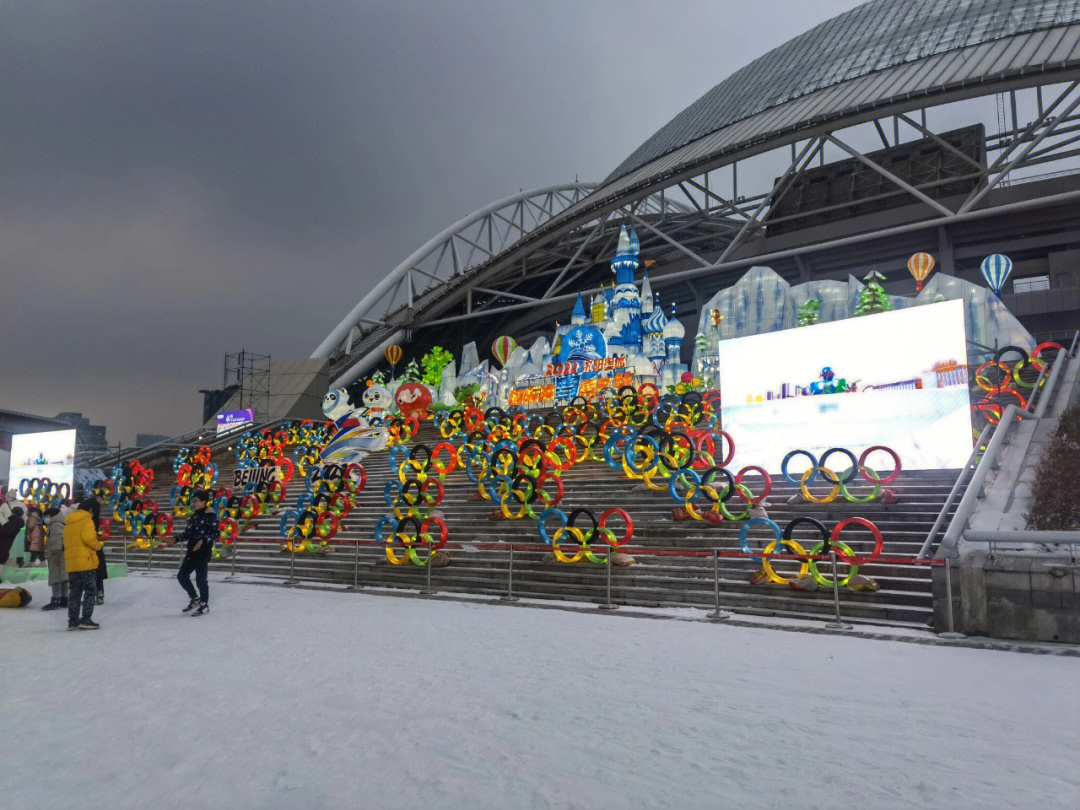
(89, 439)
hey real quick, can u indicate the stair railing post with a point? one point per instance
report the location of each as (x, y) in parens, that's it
(717, 615)
(836, 592)
(292, 567)
(509, 597)
(427, 572)
(235, 553)
(356, 567)
(608, 605)
(951, 632)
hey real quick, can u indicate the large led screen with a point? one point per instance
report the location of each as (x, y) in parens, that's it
(897, 379)
(43, 455)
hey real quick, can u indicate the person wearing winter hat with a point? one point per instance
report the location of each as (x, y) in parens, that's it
(35, 537)
(55, 520)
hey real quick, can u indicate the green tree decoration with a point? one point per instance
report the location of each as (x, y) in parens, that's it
(808, 313)
(873, 298)
(464, 393)
(434, 362)
(378, 378)
(412, 372)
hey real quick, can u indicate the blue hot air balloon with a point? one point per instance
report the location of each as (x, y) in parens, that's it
(995, 269)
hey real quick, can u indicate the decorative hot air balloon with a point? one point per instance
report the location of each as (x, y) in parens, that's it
(502, 348)
(920, 266)
(995, 269)
(393, 355)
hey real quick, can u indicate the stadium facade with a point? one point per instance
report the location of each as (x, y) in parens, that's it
(900, 126)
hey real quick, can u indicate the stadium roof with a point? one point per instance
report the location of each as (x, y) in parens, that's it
(896, 47)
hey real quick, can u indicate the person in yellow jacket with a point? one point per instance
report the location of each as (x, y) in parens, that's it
(81, 545)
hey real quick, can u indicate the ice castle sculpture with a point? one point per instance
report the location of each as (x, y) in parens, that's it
(630, 321)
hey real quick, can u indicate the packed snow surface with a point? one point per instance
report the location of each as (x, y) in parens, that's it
(304, 699)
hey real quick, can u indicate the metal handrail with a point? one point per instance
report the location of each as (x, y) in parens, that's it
(176, 442)
(978, 479)
(969, 467)
(989, 460)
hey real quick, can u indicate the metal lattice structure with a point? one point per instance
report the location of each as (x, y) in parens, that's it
(876, 93)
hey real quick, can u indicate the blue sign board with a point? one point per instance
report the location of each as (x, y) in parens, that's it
(234, 420)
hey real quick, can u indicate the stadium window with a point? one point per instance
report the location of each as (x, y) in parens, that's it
(1031, 284)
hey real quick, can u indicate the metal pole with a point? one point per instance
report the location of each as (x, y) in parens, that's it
(510, 579)
(427, 574)
(292, 565)
(959, 482)
(356, 567)
(717, 615)
(836, 592)
(608, 605)
(235, 553)
(951, 632)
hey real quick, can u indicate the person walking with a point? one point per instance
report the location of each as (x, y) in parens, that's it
(199, 534)
(35, 537)
(55, 520)
(81, 545)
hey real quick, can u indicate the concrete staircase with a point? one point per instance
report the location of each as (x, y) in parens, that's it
(663, 579)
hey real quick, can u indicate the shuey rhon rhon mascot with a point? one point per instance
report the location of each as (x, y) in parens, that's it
(355, 437)
(413, 399)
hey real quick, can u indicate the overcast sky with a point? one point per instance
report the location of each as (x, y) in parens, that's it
(179, 180)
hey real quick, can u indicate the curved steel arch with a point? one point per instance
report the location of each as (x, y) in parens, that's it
(807, 123)
(518, 214)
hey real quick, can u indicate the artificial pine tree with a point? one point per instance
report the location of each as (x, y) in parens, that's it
(412, 372)
(873, 298)
(808, 313)
(433, 363)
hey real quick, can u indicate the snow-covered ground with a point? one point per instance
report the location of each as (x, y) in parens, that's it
(305, 699)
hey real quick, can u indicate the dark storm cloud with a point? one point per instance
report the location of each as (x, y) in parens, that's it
(178, 180)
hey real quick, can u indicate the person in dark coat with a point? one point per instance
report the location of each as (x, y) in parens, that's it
(199, 535)
(102, 572)
(9, 531)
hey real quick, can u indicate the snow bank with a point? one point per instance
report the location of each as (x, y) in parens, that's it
(283, 699)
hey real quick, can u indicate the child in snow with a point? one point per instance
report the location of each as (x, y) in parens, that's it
(35, 537)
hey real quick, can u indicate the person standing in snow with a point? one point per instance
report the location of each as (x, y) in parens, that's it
(9, 501)
(55, 520)
(81, 545)
(35, 537)
(102, 571)
(199, 534)
(9, 534)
